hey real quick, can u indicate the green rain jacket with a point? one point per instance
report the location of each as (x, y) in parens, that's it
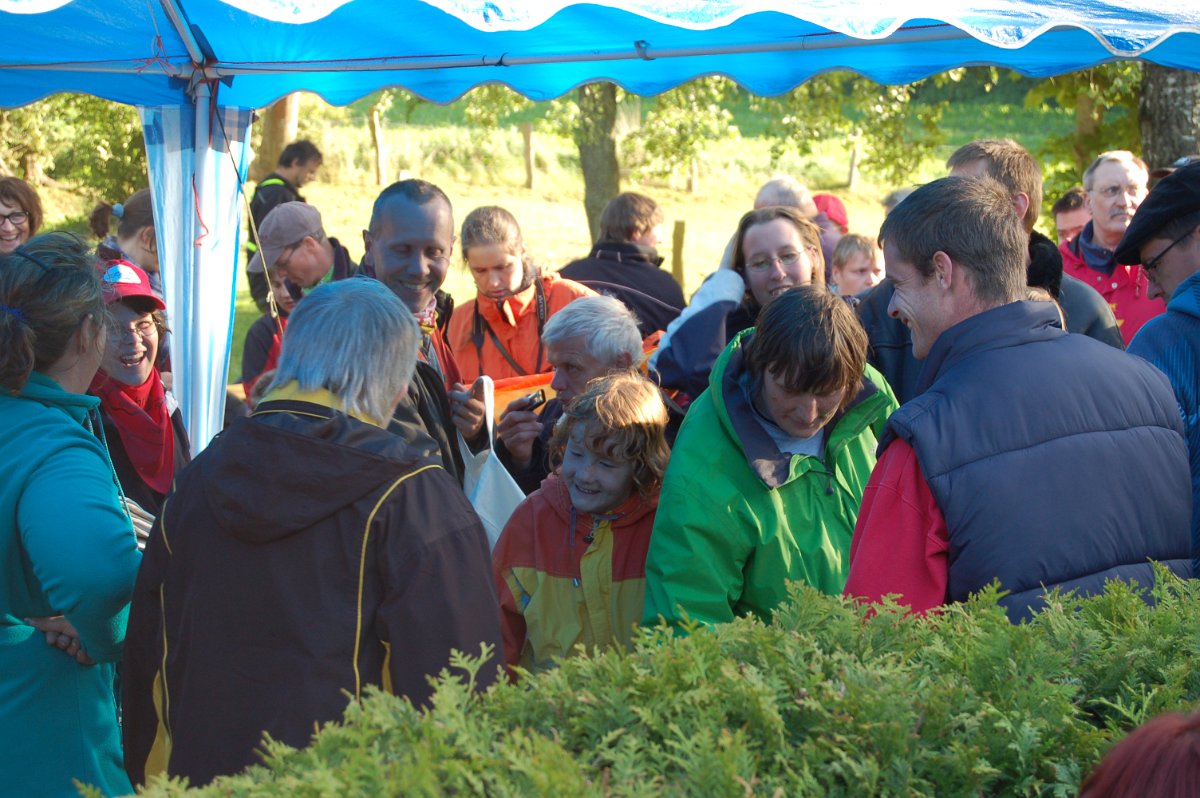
(737, 518)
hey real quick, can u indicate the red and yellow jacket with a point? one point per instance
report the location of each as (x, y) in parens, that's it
(558, 589)
(516, 325)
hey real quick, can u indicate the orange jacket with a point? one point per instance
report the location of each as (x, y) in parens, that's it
(557, 590)
(515, 323)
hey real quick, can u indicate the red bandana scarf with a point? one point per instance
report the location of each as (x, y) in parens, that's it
(140, 415)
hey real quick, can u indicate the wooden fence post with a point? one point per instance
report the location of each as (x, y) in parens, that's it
(677, 252)
(527, 134)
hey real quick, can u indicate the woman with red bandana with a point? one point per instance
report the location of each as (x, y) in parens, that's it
(142, 423)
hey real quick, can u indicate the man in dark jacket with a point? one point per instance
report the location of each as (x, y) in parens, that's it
(267, 595)
(1030, 456)
(1165, 238)
(625, 262)
(1085, 310)
(297, 164)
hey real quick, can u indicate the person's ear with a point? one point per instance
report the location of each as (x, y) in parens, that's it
(366, 241)
(943, 270)
(1020, 202)
(622, 361)
(148, 239)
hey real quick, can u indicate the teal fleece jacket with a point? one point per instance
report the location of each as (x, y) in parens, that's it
(738, 519)
(66, 547)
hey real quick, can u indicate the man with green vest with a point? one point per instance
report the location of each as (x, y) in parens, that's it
(298, 162)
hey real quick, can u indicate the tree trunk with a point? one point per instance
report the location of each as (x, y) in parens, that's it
(378, 145)
(1088, 118)
(596, 138)
(280, 121)
(1169, 114)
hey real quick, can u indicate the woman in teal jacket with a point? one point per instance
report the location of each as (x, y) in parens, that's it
(66, 546)
(768, 471)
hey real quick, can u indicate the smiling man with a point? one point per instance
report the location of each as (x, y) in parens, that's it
(1030, 456)
(1165, 238)
(1115, 184)
(408, 243)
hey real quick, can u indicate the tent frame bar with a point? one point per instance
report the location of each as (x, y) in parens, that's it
(639, 50)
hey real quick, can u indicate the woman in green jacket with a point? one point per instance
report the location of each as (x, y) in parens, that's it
(768, 471)
(68, 557)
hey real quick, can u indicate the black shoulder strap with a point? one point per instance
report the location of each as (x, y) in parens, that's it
(479, 326)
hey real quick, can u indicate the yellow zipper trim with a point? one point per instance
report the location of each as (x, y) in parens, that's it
(362, 569)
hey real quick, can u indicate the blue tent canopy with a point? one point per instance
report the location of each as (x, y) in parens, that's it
(196, 67)
(148, 52)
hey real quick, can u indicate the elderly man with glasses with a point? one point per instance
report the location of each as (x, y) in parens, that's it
(1115, 184)
(1165, 238)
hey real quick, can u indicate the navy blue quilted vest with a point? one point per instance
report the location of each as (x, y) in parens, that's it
(1055, 460)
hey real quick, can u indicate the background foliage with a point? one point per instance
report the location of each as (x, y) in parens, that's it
(823, 701)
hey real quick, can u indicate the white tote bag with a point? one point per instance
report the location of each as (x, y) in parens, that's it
(488, 485)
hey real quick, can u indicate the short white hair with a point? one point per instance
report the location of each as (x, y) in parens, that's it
(604, 323)
(355, 339)
(789, 192)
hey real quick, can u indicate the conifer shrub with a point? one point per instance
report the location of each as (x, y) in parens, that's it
(828, 699)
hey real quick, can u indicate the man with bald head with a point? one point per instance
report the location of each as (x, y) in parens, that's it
(408, 243)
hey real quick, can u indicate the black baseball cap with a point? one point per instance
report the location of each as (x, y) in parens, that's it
(1173, 197)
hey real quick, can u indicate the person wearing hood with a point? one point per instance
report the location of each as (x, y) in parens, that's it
(570, 564)
(498, 333)
(768, 470)
(67, 550)
(142, 423)
(269, 597)
(1165, 238)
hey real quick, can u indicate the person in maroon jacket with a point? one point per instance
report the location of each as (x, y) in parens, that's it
(306, 554)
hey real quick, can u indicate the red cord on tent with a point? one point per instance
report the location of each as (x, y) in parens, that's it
(199, 218)
(159, 57)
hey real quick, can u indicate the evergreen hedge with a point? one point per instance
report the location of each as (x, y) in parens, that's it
(823, 701)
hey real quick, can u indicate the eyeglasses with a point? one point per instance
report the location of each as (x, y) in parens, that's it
(281, 263)
(16, 218)
(1152, 264)
(785, 259)
(1112, 192)
(141, 329)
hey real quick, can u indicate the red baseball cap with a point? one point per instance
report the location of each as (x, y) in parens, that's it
(832, 207)
(124, 280)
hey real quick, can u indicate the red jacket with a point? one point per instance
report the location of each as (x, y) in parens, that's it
(559, 590)
(1124, 290)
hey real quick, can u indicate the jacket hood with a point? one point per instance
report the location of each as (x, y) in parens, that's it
(1186, 298)
(41, 388)
(741, 422)
(629, 514)
(292, 465)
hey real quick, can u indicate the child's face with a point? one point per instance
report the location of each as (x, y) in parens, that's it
(597, 484)
(497, 271)
(283, 297)
(858, 273)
